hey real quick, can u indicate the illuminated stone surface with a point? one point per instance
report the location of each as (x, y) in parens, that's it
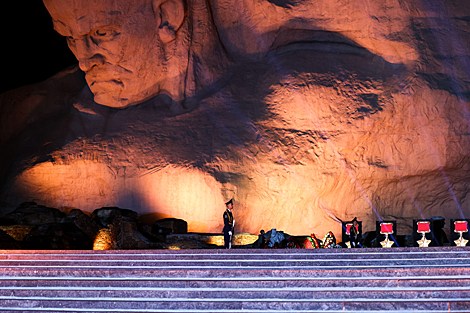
(104, 240)
(239, 239)
(303, 112)
(17, 232)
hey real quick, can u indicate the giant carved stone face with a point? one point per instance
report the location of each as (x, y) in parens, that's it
(334, 109)
(119, 46)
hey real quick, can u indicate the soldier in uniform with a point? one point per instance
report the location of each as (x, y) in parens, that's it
(229, 224)
(355, 235)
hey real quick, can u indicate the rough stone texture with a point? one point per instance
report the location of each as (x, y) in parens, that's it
(112, 215)
(316, 112)
(374, 280)
(57, 236)
(104, 240)
(8, 242)
(83, 222)
(123, 224)
(148, 232)
(186, 243)
(239, 239)
(30, 213)
(177, 226)
(128, 236)
(107, 228)
(17, 232)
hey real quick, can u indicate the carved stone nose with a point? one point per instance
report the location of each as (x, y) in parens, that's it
(88, 54)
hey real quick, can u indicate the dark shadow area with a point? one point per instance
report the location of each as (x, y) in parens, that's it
(284, 3)
(227, 113)
(443, 66)
(32, 51)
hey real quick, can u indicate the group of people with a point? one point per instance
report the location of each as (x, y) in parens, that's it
(311, 242)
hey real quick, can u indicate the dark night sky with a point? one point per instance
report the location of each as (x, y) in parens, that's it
(31, 50)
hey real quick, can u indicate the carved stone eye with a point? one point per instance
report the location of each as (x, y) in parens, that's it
(102, 33)
(70, 40)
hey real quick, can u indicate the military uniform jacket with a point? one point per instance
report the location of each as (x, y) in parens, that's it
(228, 221)
(354, 234)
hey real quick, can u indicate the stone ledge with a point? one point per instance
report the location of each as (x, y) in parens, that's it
(240, 239)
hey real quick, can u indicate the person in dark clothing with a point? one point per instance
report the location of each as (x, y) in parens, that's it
(261, 243)
(229, 224)
(354, 235)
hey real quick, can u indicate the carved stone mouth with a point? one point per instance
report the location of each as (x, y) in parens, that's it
(112, 81)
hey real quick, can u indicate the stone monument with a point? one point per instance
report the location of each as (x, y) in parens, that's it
(307, 113)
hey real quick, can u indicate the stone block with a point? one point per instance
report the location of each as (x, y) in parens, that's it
(177, 226)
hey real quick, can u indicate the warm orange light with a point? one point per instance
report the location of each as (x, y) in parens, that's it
(180, 192)
(103, 240)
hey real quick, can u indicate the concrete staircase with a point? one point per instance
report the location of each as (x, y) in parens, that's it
(237, 280)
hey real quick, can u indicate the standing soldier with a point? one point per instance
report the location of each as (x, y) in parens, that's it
(354, 234)
(229, 224)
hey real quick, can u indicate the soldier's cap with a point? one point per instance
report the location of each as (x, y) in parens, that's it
(229, 202)
(355, 219)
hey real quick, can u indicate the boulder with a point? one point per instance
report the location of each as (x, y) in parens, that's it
(147, 231)
(7, 242)
(109, 215)
(162, 232)
(57, 236)
(83, 222)
(128, 236)
(104, 240)
(123, 224)
(177, 226)
(17, 232)
(30, 213)
(33, 226)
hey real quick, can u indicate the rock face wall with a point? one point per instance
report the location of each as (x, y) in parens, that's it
(318, 112)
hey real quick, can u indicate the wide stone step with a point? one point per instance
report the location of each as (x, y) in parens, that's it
(240, 282)
(223, 264)
(237, 292)
(231, 273)
(234, 305)
(365, 280)
(341, 255)
(245, 259)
